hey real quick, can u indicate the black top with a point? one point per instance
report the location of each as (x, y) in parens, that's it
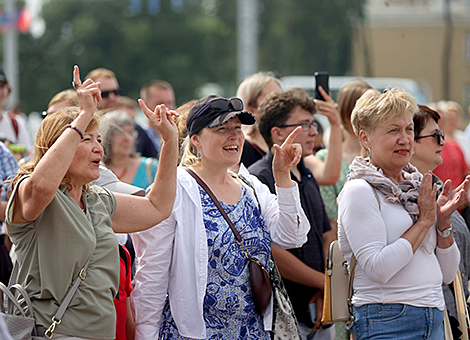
(143, 143)
(311, 253)
(251, 154)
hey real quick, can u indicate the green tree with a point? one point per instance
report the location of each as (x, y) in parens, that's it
(188, 48)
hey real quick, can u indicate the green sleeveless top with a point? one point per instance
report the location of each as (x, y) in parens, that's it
(51, 251)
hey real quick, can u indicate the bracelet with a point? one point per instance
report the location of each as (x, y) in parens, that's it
(76, 129)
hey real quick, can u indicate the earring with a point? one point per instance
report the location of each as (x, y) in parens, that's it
(198, 156)
(368, 150)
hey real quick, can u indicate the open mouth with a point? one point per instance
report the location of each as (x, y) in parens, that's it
(402, 151)
(231, 148)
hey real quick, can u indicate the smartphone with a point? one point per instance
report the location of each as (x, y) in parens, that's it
(312, 308)
(321, 79)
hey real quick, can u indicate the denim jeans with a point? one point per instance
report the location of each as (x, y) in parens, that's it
(396, 322)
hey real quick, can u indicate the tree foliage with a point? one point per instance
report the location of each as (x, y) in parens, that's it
(188, 48)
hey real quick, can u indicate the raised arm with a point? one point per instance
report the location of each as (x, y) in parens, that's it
(36, 192)
(140, 213)
(327, 173)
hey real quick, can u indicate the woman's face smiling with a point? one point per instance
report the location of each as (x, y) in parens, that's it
(221, 145)
(391, 145)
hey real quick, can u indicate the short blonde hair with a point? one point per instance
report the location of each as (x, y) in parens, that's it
(374, 108)
(66, 96)
(100, 73)
(454, 106)
(158, 84)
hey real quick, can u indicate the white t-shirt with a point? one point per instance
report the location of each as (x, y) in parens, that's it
(7, 131)
(387, 271)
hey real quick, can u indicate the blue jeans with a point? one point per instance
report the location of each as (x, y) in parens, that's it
(396, 322)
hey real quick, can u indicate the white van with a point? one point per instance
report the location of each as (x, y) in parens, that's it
(421, 91)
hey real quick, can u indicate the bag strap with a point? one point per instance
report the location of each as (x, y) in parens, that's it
(204, 187)
(352, 265)
(462, 312)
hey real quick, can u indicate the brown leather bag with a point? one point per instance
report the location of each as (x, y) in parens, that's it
(259, 276)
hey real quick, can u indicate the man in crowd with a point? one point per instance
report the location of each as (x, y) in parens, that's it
(111, 96)
(302, 269)
(154, 93)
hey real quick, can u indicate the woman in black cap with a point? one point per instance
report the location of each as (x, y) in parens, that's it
(193, 255)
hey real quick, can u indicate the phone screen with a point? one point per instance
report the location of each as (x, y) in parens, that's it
(321, 79)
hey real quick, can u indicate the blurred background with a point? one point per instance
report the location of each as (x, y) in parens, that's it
(202, 46)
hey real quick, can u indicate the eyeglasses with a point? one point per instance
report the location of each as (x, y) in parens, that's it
(105, 94)
(305, 126)
(221, 104)
(439, 135)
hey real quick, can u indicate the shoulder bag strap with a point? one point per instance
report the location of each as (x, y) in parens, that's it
(57, 318)
(352, 265)
(204, 186)
(248, 184)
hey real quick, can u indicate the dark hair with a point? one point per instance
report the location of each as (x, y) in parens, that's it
(276, 109)
(421, 118)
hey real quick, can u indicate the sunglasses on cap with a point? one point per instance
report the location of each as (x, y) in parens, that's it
(439, 135)
(105, 94)
(221, 104)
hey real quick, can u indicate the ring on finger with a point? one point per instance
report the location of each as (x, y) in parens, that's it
(75, 85)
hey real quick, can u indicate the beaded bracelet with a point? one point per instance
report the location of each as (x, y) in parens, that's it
(76, 129)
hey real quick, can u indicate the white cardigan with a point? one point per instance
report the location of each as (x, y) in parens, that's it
(173, 256)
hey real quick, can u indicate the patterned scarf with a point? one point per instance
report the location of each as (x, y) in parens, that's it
(405, 193)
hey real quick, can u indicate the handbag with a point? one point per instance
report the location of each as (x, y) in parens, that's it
(338, 287)
(17, 312)
(259, 276)
(285, 325)
(463, 322)
(339, 276)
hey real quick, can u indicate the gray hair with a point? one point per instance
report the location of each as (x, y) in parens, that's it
(111, 123)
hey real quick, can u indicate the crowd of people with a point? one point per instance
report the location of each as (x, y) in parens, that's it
(144, 210)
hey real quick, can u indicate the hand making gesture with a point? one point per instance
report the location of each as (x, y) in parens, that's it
(285, 157)
(88, 92)
(449, 200)
(161, 118)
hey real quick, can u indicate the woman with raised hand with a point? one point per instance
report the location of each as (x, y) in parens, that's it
(390, 220)
(193, 281)
(62, 224)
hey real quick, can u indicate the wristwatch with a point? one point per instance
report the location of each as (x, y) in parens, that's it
(445, 233)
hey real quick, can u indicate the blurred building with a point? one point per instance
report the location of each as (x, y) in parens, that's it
(426, 40)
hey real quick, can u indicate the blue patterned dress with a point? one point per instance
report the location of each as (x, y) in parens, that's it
(229, 312)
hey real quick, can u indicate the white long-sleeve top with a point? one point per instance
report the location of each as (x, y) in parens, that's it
(387, 271)
(173, 256)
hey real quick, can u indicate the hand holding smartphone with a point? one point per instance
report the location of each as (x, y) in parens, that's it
(321, 79)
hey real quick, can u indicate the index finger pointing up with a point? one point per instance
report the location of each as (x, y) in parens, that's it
(76, 76)
(293, 134)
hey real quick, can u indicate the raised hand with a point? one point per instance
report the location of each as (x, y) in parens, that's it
(449, 200)
(161, 118)
(288, 154)
(427, 200)
(327, 107)
(88, 92)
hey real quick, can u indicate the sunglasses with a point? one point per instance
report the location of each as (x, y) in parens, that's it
(105, 94)
(221, 104)
(439, 135)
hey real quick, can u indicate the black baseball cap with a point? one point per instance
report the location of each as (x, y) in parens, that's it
(3, 77)
(213, 110)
